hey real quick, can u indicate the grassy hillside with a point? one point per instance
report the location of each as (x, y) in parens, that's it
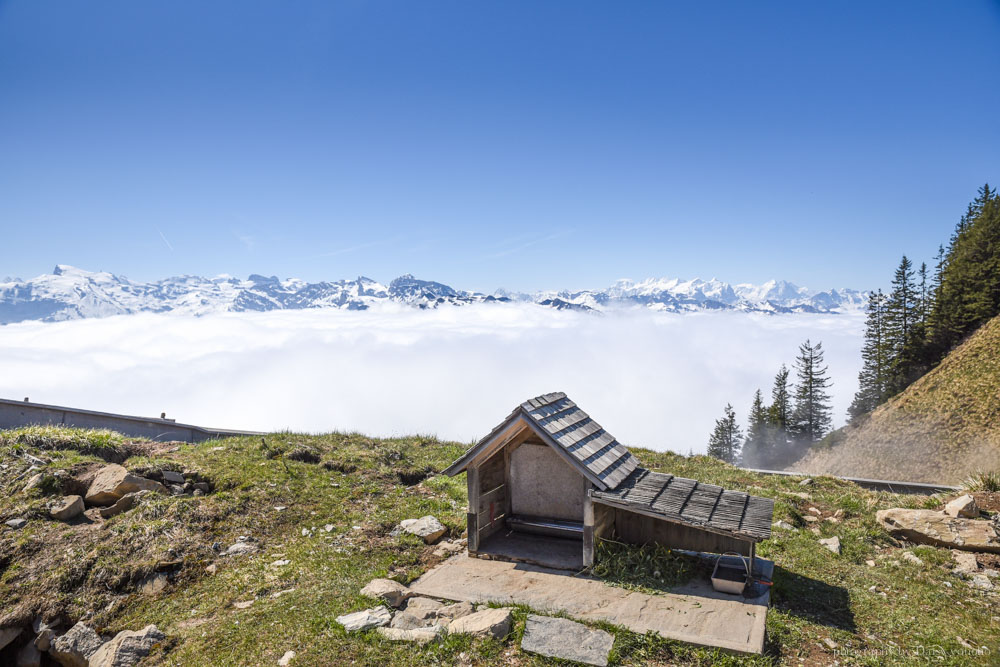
(362, 487)
(941, 429)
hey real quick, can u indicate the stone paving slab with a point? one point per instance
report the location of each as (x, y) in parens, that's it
(693, 613)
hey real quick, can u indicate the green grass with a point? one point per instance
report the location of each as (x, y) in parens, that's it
(363, 486)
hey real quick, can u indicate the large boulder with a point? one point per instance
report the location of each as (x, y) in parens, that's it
(75, 648)
(127, 648)
(7, 635)
(393, 592)
(939, 529)
(427, 528)
(418, 635)
(487, 623)
(28, 656)
(113, 481)
(124, 504)
(66, 508)
(963, 506)
(366, 619)
(566, 639)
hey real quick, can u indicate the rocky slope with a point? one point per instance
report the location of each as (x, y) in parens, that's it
(941, 429)
(71, 293)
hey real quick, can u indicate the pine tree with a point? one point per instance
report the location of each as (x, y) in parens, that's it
(756, 448)
(724, 442)
(780, 409)
(900, 325)
(811, 417)
(923, 295)
(873, 378)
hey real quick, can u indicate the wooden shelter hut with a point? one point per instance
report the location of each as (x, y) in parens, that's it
(548, 481)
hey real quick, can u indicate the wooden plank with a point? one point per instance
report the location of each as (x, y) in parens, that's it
(588, 528)
(472, 480)
(497, 496)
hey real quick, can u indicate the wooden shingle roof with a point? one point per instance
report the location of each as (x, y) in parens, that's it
(692, 503)
(562, 424)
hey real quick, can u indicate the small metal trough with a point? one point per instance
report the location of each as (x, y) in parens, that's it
(728, 577)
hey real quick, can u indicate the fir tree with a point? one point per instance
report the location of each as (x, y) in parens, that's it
(811, 416)
(757, 445)
(900, 320)
(780, 409)
(873, 378)
(724, 442)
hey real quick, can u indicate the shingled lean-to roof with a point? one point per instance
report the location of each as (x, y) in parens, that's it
(563, 425)
(620, 479)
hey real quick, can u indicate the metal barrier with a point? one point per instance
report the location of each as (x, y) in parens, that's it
(874, 484)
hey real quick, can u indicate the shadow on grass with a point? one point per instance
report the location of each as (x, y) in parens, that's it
(812, 600)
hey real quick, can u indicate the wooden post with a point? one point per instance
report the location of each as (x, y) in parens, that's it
(472, 477)
(588, 529)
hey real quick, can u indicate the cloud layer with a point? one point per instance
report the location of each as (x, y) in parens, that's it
(653, 379)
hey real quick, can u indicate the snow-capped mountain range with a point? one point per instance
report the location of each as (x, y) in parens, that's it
(70, 293)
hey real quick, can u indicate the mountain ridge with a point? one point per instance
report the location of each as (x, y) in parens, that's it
(72, 293)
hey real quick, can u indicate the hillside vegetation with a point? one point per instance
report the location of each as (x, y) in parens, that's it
(941, 429)
(320, 510)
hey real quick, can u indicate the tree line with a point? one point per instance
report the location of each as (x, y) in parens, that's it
(928, 312)
(778, 432)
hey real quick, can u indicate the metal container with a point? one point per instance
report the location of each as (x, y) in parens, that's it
(731, 576)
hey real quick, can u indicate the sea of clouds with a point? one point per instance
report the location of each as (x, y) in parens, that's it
(657, 380)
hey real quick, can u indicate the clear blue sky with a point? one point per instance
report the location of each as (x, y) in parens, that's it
(537, 144)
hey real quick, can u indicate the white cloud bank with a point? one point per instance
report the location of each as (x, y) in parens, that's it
(653, 379)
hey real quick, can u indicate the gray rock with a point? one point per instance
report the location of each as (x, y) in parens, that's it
(67, 508)
(981, 582)
(939, 529)
(806, 482)
(418, 635)
(964, 506)
(404, 620)
(34, 482)
(832, 543)
(17, 523)
(393, 592)
(486, 623)
(127, 648)
(113, 481)
(154, 583)
(75, 648)
(367, 619)
(7, 635)
(286, 659)
(566, 639)
(912, 557)
(426, 527)
(172, 477)
(202, 486)
(784, 525)
(28, 656)
(423, 607)
(124, 504)
(240, 548)
(456, 610)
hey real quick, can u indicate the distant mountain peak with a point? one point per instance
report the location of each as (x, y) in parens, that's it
(72, 293)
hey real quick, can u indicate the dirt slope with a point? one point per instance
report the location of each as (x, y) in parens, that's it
(941, 429)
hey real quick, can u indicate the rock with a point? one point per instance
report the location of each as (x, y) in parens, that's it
(799, 494)
(154, 583)
(806, 482)
(566, 639)
(423, 608)
(912, 557)
(127, 648)
(7, 635)
(286, 659)
(981, 582)
(486, 623)
(815, 511)
(404, 620)
(28, 656)
(75, 648)
(375, 617)
(830, 644)
(212, 568)
(244, 604)
(870, 563)
(34, 482)
(418, 635)
(426, 527)
(448, 548)
(172, 477)
(205, 488)
(240, 548)
(456, 610)
(124, 504)
(176, 490)
(939, 529)
(67, 508)
(113, 481)
(832, 519)
(784, 525)
(17, 524)
(281, 562)
(832, 543)
(809, 518)
(963, 506)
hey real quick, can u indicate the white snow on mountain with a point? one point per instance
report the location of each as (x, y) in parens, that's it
(70, 293)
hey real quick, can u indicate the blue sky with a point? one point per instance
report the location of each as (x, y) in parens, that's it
(519, 144)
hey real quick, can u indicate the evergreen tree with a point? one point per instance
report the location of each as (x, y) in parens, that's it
(724, 442)
(757, 445)
(873, 378)
(780, 410)
(900, 320)
(923, 296)
(811, 417)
